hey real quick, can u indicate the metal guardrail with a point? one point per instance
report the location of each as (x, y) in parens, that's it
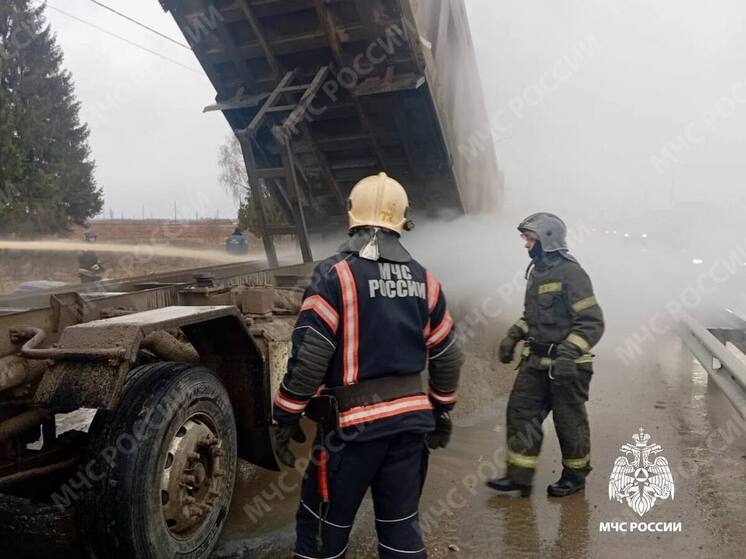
(723, 367)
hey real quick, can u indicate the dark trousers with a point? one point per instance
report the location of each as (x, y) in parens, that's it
(394, 468)
(533, 396)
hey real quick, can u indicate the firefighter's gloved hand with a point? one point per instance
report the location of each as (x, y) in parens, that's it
(282, 436)
(564, 367)
(564, 370)
(442, 434)
(506, 351)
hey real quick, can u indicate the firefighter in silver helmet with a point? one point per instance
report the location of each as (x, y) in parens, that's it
(562, 321)
(371, 321)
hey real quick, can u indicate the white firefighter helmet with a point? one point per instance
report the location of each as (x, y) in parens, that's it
(379, 201)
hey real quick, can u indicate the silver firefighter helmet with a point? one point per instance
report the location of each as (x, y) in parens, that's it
(550, 229)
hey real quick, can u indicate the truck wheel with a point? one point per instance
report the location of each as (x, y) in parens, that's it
(164, 466)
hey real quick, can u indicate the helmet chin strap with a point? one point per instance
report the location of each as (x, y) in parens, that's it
(371, 251)
(536, 251)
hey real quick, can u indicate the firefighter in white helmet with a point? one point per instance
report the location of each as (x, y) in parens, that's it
(372, 319)
(379, 201)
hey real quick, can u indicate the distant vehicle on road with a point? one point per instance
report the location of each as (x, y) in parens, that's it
(236, 243)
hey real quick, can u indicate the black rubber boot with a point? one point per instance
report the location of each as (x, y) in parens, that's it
(508, 486)
(565, 486)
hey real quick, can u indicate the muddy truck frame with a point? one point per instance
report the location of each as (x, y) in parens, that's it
(176, 371)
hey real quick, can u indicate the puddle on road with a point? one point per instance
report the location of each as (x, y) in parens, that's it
(263, 501)
(262, 515)
(714, 453)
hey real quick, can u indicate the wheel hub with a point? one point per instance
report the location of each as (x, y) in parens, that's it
(190, 477)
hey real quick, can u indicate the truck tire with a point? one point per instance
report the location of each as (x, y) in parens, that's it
(161, 466)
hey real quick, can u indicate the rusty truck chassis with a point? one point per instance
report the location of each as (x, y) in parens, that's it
(76, 350)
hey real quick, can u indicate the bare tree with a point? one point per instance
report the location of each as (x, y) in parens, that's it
(235, 180)
(233, 175)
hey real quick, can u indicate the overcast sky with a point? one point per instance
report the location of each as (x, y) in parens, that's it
(152, 144)
(584, 96)
(650, 74)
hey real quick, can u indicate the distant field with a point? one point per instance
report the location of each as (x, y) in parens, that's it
(17, 267)
(185, 233)
(20, 266)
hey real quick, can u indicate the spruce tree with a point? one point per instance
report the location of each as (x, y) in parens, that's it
(46, 170)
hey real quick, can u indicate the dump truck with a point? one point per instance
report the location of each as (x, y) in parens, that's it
(321, 93)
(173, 372)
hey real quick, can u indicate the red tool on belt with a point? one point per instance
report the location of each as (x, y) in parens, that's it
(322, 480)
(324, 411)
(323, 476)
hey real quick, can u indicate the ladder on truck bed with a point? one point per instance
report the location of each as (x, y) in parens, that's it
(282, 180)
(267, 178)
(381, 108)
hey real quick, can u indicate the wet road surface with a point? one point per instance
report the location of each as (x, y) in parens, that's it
(663, 394)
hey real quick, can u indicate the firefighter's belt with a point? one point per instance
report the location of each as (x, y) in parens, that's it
(377, 390)
(543, 350)
(323, 410)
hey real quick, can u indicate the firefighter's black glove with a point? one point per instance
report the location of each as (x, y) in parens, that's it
(564, 370)
(442, 434)
(506, 351)
(282, 436)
